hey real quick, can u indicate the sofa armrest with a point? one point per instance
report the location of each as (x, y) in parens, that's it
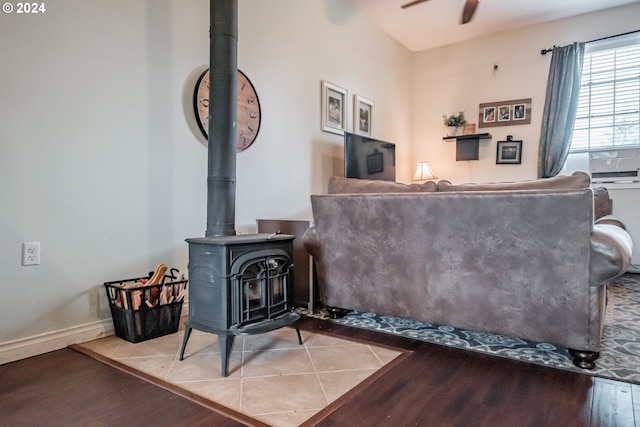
(611, 248)
(610, 219)
(310, 242)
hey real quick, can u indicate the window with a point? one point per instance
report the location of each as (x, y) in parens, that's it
(608, 113)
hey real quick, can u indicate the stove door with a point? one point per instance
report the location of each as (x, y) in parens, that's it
(261, 288)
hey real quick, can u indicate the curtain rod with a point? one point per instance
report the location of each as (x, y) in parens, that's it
(545, 51)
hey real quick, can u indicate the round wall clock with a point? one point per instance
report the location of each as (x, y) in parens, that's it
(248, 121)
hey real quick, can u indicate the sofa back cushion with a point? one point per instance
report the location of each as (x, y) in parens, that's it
(340, 185)
(575, 181)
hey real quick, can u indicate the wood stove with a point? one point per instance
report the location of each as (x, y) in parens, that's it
(239, 285)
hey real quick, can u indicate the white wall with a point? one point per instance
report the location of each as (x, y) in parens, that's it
(461, 76)
(101, 160)
(294, 45)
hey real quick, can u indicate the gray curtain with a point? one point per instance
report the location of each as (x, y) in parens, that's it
(561, 103)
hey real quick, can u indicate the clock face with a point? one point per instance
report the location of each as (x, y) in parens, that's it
(248, 121)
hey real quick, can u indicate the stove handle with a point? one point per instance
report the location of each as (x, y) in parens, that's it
(272, 235)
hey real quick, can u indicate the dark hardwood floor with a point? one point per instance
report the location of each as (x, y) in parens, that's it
(67, 388)
(440, 386)
(430, 386)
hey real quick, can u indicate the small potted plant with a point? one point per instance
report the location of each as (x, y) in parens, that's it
(453, 122)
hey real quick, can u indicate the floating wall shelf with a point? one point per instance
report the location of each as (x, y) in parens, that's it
(467, 146)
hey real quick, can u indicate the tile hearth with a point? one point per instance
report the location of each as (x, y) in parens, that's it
(271, 377)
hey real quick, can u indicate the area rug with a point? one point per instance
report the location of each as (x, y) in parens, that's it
(619, 357)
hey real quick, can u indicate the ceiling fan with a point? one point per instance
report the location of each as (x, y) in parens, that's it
(467, 13)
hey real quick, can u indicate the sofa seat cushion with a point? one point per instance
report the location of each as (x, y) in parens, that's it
(340, 185)
(577, 180)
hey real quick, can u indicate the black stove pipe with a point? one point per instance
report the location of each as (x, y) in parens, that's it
(223, 81)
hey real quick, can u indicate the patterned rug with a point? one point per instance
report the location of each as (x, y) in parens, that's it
(620, 349)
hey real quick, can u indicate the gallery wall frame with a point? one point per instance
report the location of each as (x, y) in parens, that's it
(363, 115)
(509, 152)
(505, 113)
(334, 108)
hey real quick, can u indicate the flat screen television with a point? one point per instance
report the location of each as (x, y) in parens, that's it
(369, 158)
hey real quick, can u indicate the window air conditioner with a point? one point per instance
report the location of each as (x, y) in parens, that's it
(618, 166)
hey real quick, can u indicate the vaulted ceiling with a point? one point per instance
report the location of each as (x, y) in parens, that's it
(437, 22)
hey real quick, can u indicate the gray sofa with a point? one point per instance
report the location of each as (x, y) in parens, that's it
(527, 259)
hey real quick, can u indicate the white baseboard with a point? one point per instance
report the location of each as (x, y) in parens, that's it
(55, 340)
(38, 344)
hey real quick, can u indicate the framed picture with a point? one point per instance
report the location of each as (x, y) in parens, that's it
(505, 113)
(334, 108)
(362, 115)
(488, 115)
(519, 112)
(509, 152)
(469, 129)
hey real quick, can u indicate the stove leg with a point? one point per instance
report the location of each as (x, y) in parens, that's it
(225, 344)
(298, 332)
(187, 333)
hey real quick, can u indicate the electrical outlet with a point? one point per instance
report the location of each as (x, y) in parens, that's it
(31, 253)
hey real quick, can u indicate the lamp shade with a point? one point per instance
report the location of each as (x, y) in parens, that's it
(424, 172)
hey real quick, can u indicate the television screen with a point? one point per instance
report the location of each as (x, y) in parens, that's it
(369, 158)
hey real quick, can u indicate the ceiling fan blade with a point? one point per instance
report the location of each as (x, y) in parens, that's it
(413, 3)
(469, 9)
